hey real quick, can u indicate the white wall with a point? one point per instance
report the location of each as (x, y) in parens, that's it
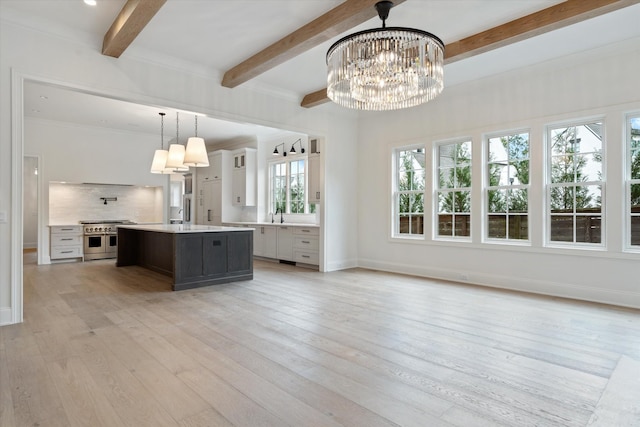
(71, 203)
(602, 83)
(79, 64)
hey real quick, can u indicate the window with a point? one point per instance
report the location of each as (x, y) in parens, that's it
(454, 189)
(289, 187)
(409, 194)
(575, 183)
(507, 197)
(633, 166)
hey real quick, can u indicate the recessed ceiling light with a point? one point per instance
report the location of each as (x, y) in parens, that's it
(90, 2)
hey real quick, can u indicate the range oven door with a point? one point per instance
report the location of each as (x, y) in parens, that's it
(111, 243)
(94, 244)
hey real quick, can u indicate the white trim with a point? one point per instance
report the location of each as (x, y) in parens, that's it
(17, 147)
(548, 185)
(435, 150)
(628, 247)
(547, 288)
(395, 193)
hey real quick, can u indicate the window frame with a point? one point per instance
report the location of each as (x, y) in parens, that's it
(630, 181)
(549, 185)
(487, 162)
(397, 193)
(454, 189)
(287, 160)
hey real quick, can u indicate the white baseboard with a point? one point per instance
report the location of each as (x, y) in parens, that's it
(342, 265)
(564, 290)
(6, 316)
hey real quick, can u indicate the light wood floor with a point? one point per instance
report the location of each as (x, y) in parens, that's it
(107, 346)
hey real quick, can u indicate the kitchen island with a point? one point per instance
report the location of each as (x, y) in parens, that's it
(193, 255)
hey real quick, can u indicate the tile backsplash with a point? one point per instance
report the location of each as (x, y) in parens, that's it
(71, 203)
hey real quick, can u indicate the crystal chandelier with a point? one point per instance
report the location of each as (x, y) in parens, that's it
(385, 68)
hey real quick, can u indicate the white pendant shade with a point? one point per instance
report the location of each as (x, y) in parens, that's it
(159, 161)
(175, 159)
(196, 153)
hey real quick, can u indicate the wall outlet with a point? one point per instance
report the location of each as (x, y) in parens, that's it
(3, 217)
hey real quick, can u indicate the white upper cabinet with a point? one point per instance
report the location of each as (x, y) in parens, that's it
(244, 177)
(314, 191)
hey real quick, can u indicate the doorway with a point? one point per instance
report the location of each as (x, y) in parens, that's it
(30, 193)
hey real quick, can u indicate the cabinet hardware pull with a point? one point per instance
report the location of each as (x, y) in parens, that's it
(67, 239)
(305, 256)
(66, 252)
(306, 241)
(317, 195)
(66, 229)
(208, 214)
(305, 231)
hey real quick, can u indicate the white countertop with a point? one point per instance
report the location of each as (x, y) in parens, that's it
(183, 228)
(277, 224)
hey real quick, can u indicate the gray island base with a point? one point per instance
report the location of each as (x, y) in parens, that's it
(193, 255)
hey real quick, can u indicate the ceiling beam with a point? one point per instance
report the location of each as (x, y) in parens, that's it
(549, 19)
(131, 20)
(338, 20)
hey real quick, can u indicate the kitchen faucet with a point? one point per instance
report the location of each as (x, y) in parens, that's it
(281, 217)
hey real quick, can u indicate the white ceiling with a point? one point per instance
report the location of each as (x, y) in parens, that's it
(212, 36)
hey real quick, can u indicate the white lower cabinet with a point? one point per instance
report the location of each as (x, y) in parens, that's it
(306, 245)
(66, 242)
(265, 241)
(285, 244)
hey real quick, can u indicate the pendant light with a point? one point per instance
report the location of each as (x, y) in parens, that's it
(196, 153)
(385, 68)
(160, 156)
(175, 158)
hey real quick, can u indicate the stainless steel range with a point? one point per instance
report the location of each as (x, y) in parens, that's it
(101, 238)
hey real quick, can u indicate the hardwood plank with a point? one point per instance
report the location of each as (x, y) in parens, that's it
(503, 399)
(338, 20)
(124, 392)
(353, 347)
(620, 393)
(7, 417)
(174, 396)
(207, 418)
(284, 369)
(34, 395)
(228, 401)
(83, 401)
(377, 395)
(130, 22)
